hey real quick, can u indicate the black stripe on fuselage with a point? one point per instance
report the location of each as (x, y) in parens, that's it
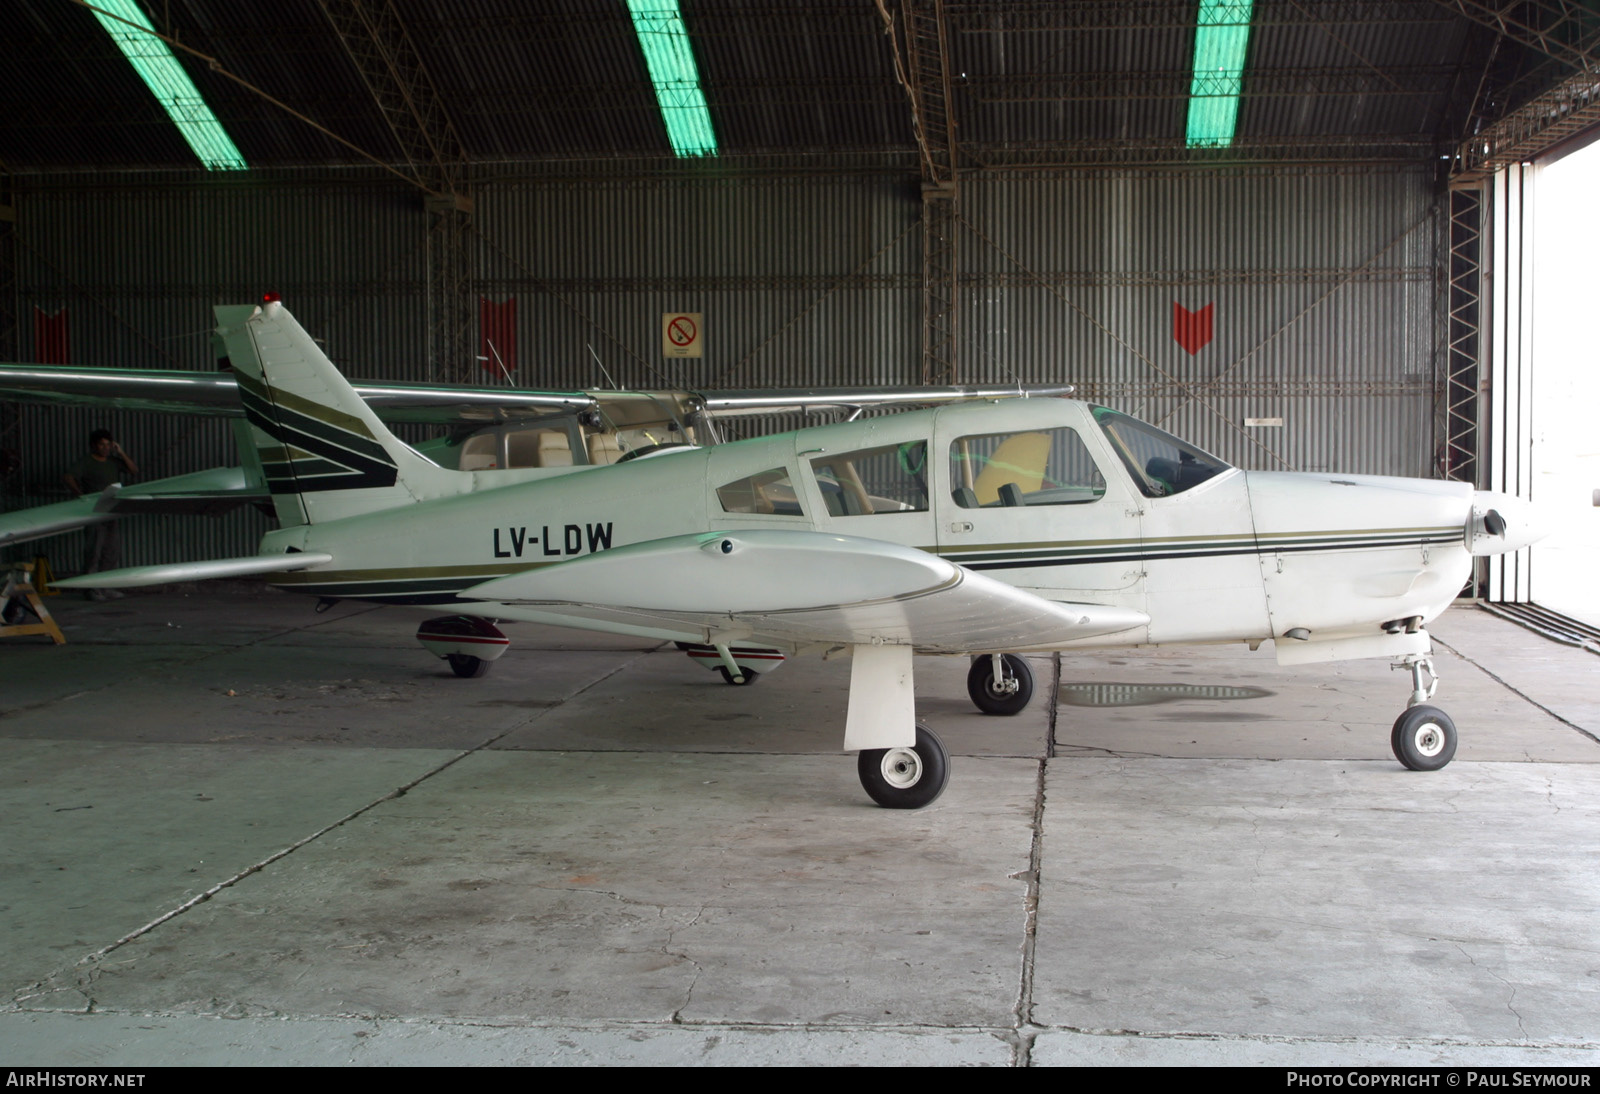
(1000, 560)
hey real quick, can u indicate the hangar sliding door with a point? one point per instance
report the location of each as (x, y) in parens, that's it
(1564, 392)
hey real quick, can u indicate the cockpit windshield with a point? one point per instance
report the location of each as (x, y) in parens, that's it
(1161, 464)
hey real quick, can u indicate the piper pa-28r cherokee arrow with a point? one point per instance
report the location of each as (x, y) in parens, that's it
(983, 528)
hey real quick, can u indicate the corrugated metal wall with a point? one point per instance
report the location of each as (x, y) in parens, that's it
(1321, 284)
(801, 281)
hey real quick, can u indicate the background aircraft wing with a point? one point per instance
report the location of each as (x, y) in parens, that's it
(215, 393)
(800, 588)
(48, 520)
(205, 492)
(781, 400)
(167, 390)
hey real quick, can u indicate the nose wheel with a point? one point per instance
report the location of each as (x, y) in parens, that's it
(1424, 737)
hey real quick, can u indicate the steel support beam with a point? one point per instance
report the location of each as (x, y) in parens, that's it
(1421, 80)
(1530, 130)
(376, 39)
(1330, 150)
(1460, 407)
(921, 41)
(1053, 15)
(941, 283)
(10, 340)
(450, 311)
(1566, 30)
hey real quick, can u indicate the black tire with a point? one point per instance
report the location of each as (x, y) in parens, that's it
(1424, 738)
(984, 695)
(905, 778)
(467, 666)
(727, 677)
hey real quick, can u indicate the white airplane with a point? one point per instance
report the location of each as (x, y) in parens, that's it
(987, 529)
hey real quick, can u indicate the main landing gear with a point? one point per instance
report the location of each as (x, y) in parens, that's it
(467, 643)
(739, 665)
(1000, 683)
(466, 666)
(906, 778)
(1424, 737)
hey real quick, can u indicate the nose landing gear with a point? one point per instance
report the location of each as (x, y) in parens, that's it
(1424, 737)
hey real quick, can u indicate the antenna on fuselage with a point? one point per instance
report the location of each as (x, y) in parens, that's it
(498, 361)
(601, 367)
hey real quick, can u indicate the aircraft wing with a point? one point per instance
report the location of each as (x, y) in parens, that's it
(215, 393)
(798, 588)
(780, 400)
(133, 577)
(48, 520)
(206, 492)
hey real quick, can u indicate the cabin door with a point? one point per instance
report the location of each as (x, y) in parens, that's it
(1035, 508)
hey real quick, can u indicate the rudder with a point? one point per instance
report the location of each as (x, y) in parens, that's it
(324, 453)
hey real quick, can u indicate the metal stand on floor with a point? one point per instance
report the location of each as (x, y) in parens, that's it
(18, 598)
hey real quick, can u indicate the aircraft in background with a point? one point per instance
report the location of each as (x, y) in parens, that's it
(990, 529)
(493, 427)
(487, 428)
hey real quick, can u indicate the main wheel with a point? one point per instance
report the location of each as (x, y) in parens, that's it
(994, 696)
(905, 778)
(749, 677)
(467, 666)
(1424, 738)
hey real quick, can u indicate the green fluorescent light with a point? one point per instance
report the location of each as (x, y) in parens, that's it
(170, 84)
(1219, 47)
(667, 52)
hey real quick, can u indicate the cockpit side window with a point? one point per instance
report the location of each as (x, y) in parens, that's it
(1161, 464)
(890, 479)
(767, 492)
(1041, 467)
(480, 452)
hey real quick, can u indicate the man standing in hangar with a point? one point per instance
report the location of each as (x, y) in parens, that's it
(105, 465)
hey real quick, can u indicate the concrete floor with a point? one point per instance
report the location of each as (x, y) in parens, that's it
(234, 831)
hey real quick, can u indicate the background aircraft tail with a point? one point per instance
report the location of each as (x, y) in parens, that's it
(324, 454)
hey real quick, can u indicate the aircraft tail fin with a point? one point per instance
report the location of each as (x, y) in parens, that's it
(323, 452)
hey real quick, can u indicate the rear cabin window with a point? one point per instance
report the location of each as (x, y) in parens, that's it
(870, 481)
(768, 492)
(1039, 467)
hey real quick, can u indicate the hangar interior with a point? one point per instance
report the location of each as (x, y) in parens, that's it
(1303, 234)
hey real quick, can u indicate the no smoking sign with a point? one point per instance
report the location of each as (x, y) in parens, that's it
(681, 334)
